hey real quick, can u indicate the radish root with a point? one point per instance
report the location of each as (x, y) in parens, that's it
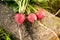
(57, 12)
(20, 34)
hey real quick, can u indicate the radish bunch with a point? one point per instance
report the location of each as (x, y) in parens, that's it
(20, 18)
(25, 6)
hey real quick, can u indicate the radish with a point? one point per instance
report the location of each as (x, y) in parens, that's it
(40, 14)
(19, 18)
(32, 17)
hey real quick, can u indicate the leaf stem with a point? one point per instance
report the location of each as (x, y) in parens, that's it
(20, 33)
(32, 8)
(22, 5)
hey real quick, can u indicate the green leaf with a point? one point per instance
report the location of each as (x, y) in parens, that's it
(7, 38)
(40, 0)
(4, 35)
(12, 5)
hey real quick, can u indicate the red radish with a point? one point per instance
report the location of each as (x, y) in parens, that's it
(19, 18)
(32, 17)
(40, 14)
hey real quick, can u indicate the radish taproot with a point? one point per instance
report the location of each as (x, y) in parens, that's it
(32, 17)
(40, 14)
(19, 18)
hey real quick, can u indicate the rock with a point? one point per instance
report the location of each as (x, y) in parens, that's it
(52, 22)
